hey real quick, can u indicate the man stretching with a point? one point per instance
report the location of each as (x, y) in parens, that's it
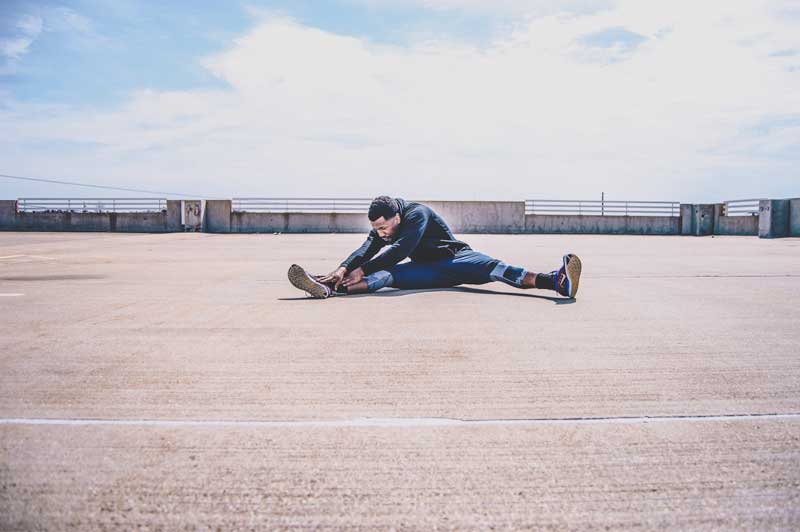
(438, 260)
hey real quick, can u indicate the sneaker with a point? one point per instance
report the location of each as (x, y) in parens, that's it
(307, 283)
(567, 277)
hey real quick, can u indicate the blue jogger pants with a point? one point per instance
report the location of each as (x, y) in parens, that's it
(466, 267)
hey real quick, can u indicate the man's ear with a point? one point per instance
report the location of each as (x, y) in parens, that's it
(397, 217)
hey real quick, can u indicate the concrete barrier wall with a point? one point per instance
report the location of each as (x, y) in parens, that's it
(794, 217)
(461, 216)
(614, 225)
(160, 222)
(296, 222)
(87, 221)
(42, 221)
(137, 222)
(481, 216)
(737, 225)
(778, 218)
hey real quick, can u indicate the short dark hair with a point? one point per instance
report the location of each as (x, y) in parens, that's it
(383, 206)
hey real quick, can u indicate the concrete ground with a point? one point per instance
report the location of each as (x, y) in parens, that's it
(178, 381)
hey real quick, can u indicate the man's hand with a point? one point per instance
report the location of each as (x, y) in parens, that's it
(353, 277)
(336, 277)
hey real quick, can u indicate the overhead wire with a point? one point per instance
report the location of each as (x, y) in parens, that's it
(106, 187)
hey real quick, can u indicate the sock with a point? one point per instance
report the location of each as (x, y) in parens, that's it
(545, 280)
(341, 291)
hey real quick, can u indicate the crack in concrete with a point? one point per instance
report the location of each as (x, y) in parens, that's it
(393, 422)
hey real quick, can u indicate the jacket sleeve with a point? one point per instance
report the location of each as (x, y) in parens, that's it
(410, 234)
(368, 249)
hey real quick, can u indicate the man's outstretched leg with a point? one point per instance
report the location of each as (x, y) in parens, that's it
(565, 280)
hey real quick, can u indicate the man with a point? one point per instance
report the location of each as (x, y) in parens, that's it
(438, 260)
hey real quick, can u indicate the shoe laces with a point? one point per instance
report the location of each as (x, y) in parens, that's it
(559, 279)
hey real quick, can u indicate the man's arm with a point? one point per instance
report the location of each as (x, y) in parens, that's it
(368, 249)
(414, 225)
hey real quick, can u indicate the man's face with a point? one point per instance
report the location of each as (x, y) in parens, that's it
(387, 229)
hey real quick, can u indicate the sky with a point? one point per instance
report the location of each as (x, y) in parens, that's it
(425, 99)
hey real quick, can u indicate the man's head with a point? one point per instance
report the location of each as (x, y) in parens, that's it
(384, 215)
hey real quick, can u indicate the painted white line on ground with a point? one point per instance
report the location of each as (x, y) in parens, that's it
(28, 256)
(11, 295)
(390, 422)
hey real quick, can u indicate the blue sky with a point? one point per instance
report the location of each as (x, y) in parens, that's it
(422, 98)
(110, 48)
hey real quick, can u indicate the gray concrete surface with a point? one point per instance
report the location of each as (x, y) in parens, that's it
(172, 328)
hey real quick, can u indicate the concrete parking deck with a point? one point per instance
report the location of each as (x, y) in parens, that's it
(178, 381)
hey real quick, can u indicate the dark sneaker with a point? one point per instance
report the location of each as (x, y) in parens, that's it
(568, 276)
(307, 283)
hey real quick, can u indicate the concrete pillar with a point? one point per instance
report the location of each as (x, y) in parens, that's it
(686, 219)
(192, 212)
(173, 221)
(218, 216)
(773, 218)
(718, 209)
(703, 219)
(794, 217)
(8, 215)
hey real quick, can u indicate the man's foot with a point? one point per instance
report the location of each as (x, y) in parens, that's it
(307, 283)
(568, 276)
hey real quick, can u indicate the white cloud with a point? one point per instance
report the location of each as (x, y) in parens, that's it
(64, 19)
(497, 7)
(15, 48)
(29, 27)
(541, 112)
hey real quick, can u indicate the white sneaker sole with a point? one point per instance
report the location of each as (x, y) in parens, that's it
(303, 281)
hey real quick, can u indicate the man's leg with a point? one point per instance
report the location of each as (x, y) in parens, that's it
(372, 283)
(467, 267)
(472, 267)
(563, 280)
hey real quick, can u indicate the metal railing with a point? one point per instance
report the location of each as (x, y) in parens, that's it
(603, 208)
(94, 205)
(312, 205)
(745, 207)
